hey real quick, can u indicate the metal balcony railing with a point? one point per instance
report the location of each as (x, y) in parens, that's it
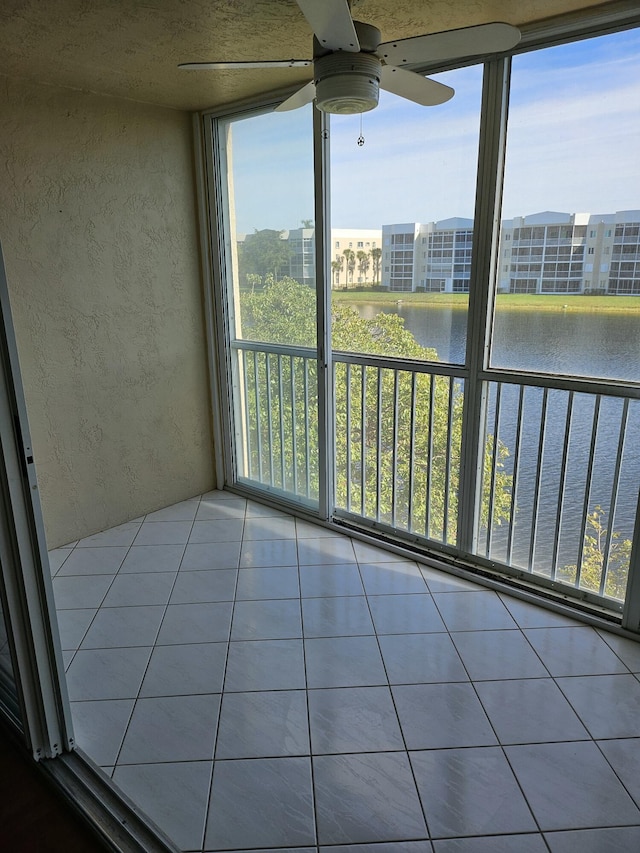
(397, 436)
(571, 457)
(557, 491)
(278, 418)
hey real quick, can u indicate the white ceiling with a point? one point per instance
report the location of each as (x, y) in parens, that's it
(131, 48)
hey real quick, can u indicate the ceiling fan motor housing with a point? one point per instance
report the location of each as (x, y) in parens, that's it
(347, 82)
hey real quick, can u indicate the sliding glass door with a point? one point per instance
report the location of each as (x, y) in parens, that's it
(33, 692)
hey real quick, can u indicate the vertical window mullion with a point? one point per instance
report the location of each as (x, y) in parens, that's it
(484, 263)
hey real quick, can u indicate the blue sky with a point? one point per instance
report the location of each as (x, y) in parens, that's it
(574, 137)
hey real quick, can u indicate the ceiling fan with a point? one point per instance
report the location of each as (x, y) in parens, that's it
(350, 64)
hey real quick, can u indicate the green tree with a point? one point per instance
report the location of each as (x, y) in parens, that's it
(593, 557)
(414, 419)
(262, 253)
(283, 312)
(253, 281)
(364, 262)
(281, 396)
(376, 260)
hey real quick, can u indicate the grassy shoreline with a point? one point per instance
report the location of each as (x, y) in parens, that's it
(504, 301)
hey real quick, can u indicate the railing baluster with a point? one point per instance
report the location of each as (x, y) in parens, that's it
(379, 442)
(412, 459)
(587, 487)
(515, 477)
(614, 495)
(430, 461)
(562, 487)
(258, 417)
(394, 467)
(538, 484)
(492, 475)
(307, 450)
(243, 369)
(348, 431)
(269, 417)
(334, 462)
(294, 424)
(356, 430)
(363, 440)
(447, 473)
(283, 475)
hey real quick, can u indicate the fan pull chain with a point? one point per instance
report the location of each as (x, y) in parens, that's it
(361, 137)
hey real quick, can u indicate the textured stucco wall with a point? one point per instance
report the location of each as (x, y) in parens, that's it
(98, 228)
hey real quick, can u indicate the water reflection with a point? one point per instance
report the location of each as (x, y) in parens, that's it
(596, 344)
(587, 344)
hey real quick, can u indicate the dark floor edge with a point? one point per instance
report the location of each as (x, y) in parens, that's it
(114, 817)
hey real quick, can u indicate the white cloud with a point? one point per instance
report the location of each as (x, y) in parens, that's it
(574, 134)
(417, 163)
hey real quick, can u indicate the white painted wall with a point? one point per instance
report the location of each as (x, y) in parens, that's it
(98, 228)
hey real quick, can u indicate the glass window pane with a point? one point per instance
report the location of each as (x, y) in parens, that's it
(267, 168)
(572, 191)
(411, 188)
(270, 240)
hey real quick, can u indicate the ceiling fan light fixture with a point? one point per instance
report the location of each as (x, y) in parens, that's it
(345, 95)
(347, 83)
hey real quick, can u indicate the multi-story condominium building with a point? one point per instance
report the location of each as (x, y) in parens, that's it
(355, 239)
(399, 255)
(624, 270)
(299, 263)
(302, 264)
(347, 272)
(571, 253)
(545, 252)
(434, 257)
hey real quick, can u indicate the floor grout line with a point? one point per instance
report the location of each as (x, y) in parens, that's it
(327, 545)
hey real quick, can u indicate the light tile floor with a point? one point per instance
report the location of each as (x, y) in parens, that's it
(255, 682)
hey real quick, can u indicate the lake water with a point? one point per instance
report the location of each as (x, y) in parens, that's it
(603, 345)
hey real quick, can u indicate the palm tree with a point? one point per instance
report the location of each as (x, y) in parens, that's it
(376, 257)
(350, 258)
(337, 266)
(364, 262)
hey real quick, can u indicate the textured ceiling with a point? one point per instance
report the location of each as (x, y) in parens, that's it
(131, 48)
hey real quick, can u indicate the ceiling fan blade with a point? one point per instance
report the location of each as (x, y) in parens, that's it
(298, 99)
(331, 23)
(451, 44)
(267, 63)
(414, 87)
